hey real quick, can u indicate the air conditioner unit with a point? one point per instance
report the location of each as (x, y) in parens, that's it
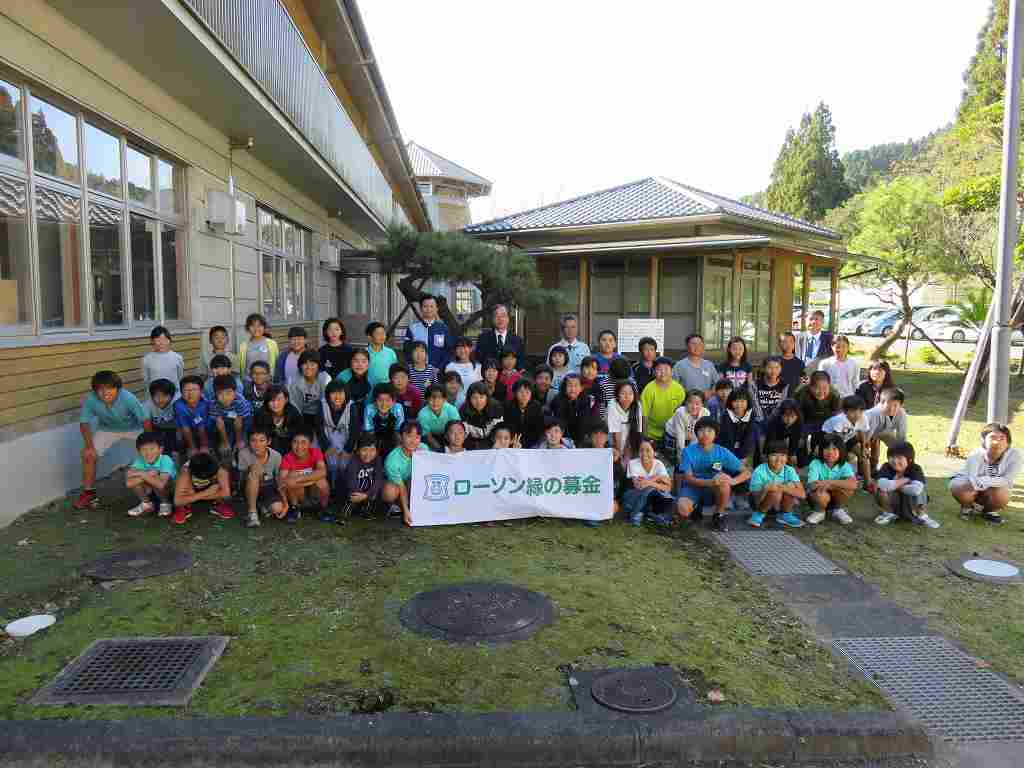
(224, 211)
(330, 255)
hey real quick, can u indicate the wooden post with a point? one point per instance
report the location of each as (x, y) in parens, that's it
(653, 284)
(833, 319)
(737, 297)
(584, 298)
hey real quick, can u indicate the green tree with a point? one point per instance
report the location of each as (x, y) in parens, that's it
(899, 222)
(985, 78)
(503, 275)
(808, 176)
(865, 167)
(974, 306)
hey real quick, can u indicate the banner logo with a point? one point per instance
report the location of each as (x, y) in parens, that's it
(436, 487)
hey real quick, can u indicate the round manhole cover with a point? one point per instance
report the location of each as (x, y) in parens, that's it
(995, 568)
(639, 691)
(138, 564)
(478, 612)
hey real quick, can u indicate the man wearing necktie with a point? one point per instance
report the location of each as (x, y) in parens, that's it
(814, 343)
(494, 341)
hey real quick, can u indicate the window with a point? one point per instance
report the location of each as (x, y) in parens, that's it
(105, 226)
(12, 123)
(718, 308)
(677, 298)
(821, 293)
(102, 161)
(46, 269)
(357, 295)
(54, 141)
(284, 246)
(755, 305)
(569, 285)
(799, 274)
(15, 263)
(465, 299)
(58, 232)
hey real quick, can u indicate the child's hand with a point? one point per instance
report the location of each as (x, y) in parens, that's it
(517, 441)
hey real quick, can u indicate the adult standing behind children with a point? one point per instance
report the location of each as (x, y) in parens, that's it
(433, 332)
(694, 371)
(575, 349)
(162, 362)
(258, 347)
(493, 341)
(109, 414)
(335, 353)
(814, 344)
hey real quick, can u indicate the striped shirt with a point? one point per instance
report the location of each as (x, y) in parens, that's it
(239, 409)
(992, 470)
(422, 379)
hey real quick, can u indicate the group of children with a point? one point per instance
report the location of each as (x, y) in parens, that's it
(337, 428)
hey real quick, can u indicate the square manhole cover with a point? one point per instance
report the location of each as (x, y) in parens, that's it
(939, 685)
(139, 672)
(775, 553)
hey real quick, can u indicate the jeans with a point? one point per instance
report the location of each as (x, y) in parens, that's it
(636, 502)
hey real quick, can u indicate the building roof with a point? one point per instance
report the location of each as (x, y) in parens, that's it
(430, 165)
(645, 200)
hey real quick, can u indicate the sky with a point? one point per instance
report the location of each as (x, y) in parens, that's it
(558, 98)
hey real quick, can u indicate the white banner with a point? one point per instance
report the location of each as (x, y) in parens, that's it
(632, 329)
(509, 483)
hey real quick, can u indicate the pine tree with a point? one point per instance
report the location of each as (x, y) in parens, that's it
(808, 178)
(985, 78)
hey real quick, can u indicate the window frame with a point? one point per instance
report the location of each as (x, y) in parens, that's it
(24, 171)
(297, 255)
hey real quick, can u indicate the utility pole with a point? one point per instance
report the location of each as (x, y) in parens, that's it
(999, 362)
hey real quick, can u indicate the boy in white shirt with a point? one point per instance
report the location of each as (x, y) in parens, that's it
(852, 427)
(887, 422)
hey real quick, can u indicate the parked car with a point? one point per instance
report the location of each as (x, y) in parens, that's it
(882, 324)
(854, 322)
(945, 329)
(935, 315)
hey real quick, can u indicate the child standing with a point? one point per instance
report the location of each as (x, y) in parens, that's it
(736, 367)
(160, 415)
(259, 346)
(434, 417)
(680, 426)
(792, 366)
(643, 369)
(776, 489)
(384, 418)
(363, 479)
(659, 401)
(844, 372)
(830, 482)
(382, 357)
(335, 352)
(220, 365)
(625, 421)
(192, 415)
(162, 362)
(469, 372)
(607, 350)
(421, 373)
(218, 337)
(650, 488)
(508, 375)
(410, 398)
(151, 476)
(288, 366)
(306, 391)
(304, 469)
(902, 489)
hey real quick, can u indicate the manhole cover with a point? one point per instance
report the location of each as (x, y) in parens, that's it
(944, 688)
(135, 672)
(478, 612)
(639, 691)
(986, 568)
(138, 564)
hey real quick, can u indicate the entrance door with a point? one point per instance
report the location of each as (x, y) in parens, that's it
(355, 305)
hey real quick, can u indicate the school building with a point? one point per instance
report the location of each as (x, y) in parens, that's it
(655, 248)
(176, 162)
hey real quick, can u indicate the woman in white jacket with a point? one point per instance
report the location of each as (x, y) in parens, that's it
(985, 482)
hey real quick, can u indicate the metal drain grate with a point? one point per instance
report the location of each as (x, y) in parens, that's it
(775, 553)
(939, 685)
(135, 672)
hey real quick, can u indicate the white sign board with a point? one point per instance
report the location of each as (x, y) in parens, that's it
(509, 483)
(632, 329)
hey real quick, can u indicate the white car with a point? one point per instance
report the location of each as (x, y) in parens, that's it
(948, 330)
(855, 325)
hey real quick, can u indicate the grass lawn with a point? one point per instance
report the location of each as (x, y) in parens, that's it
(907, 561)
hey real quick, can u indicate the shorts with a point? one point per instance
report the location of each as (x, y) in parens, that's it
(701, 497)
(268, 496)
(103, 440)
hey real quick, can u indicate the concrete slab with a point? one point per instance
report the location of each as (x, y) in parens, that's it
(823, 589)
(869, 618)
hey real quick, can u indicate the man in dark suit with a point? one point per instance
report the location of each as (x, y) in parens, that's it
(494, 341)
(814, 344)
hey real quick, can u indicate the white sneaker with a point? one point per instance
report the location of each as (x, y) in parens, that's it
(815, 517)
(927, 522)
(253, 520)
(142, 508)
(394, 511)
(165, 509)
(884, 518)
(842, 516)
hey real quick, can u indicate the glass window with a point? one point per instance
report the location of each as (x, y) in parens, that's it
(169, 184)
(266, 227)
(54, 140)
(717, 308)
(299, 307)
(105, 226)
(143, 252)
(59, 235)
(638, 287)
(140, 178)
(172, 268)
(15, 264)
(677, 287)
(276, 231)
(799, 272)
(269, 284)
(821, 293)
(12, 124)
(289, 237)
(102, 161)
(357, 296)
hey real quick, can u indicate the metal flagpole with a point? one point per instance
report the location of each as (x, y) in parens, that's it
(999, 361)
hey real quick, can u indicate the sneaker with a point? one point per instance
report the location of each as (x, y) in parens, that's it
(884, 518)
(841, 516)
(719, 522)
(756, 520)
(816, 517)
(181, 515)
(222, 510)
(967, 513)
(252, 520)
(662, 520)
(926, 521)
(636, 520)
(165, 509)
(789, 520)
(87, 499)
(294, 515)
(140, 509)
(328, 517)
(394, 511)
(993, 517)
